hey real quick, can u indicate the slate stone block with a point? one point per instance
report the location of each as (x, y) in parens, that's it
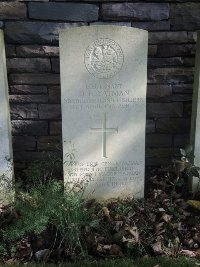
(173, 50)
(150, 126)
(10, 50)
(159, 93)
(29, 127)
(24, 143)
(159, 110)
(25, 111)
(185, 16)
(49, 111)
(173, 125)
(182, 98)
(34, 78)
(135, 11)
(55, 63)
(49, 143)
(187, 109)
(64, 11)
(28, 32)
(28, 99)
(12, 10)
(158, 140)
(55, 128)
(170, 75)
(28, 65)
(182, 88)
(168, 37)
(152, 50)
(28, 89)
(181, 141)
(152, 25)
(54, 94)
(37, 51)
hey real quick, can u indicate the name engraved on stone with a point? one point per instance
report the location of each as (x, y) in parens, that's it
(104, 130)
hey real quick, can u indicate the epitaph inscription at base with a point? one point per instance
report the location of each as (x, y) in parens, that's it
(103, 81)
(6, 161)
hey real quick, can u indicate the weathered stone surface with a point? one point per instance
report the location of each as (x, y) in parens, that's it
(37, 50)
(117, 0)
(29, 157)
(158, 161)
(158, 140)
(28, 99)
(185, 16)
(54, 94)
(168, 37)
(28, 127)
(136, 11)
(173, 50)
(33, 78)
(28, 65)
(189, 61)
(192, 37)
(152, 25)
(49, 143)
(49, 111)
(187, 109)
(55, 62)
(150, 126)
(33, 0)
(152, 50)
(55, 128)
(63, 11)
(182, 97)
(159, 152)
(10, 50)
(24, 143)
(182, 88)
(28, 89)
(170, 75)
(182, 140)
(95, 109)
(173, 125)
(12, 10)
(27, 32)
(159, 93)
(171, 61)
(6, 155)
(25, 111)
(116, 23)
(159, 110)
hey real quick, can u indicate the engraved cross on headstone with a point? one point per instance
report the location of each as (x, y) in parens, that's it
(104, 130)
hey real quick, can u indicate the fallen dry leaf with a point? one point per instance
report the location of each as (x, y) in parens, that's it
(187, 253)
(194, 203)
(166, 217)
(106, 213)
(157, 248)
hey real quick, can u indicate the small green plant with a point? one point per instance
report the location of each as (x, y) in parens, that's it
(184, 167)
(48, 204)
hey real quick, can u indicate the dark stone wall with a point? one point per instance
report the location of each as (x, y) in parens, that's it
(31, 35)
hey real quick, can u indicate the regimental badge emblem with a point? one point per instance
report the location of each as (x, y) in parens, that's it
(103, 58)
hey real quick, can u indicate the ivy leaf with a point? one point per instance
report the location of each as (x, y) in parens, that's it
(183, 152)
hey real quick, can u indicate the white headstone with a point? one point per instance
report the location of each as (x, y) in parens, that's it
(6, 159)
(103, 81)
(195, 121)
